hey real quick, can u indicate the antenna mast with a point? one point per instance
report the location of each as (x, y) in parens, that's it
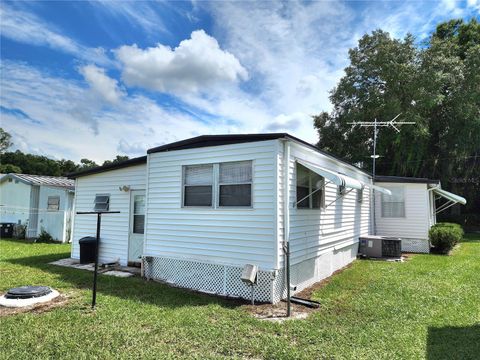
(375, 124)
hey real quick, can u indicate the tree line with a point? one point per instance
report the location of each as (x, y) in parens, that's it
(434, 83)
(19, 162)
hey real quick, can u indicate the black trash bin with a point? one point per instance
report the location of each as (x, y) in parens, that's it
(6, 230)
(88, 245)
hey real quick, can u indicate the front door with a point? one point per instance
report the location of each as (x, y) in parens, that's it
(137, 225)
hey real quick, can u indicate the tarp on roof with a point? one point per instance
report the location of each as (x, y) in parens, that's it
(450, 196)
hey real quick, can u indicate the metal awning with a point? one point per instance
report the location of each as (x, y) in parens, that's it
(335, 177)
(451, 198)
(380, 189)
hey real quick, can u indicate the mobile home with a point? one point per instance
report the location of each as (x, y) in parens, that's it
(39, 203)
(411, 209)
(195, 212)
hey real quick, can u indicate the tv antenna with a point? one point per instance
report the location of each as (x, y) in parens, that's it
(376, 124)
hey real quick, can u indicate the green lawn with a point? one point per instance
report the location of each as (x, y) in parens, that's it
(428, 307)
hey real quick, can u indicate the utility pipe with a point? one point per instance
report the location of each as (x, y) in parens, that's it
(286, 218)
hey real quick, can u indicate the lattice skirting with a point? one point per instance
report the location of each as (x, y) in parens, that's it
(225, 280)
(210, 278)
(416, 246)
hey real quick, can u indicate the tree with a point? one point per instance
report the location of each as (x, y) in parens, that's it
(436, 85)
(118, 158)
(9, 168)
(5, 142)
(87, 164)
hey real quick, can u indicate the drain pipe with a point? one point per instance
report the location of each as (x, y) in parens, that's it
(286, 218)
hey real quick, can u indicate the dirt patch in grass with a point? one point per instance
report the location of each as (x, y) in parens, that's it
(279, 310)
(59, 301)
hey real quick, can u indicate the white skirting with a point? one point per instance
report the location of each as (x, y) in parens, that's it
(225, 280)
(416, 246)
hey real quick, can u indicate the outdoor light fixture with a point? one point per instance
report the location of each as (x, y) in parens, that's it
(125, 188)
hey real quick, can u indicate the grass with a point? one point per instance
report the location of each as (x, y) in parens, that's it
(428, 307)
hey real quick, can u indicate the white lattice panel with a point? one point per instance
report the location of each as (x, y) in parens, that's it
(416, 246)
(211, 278)
(225, 280)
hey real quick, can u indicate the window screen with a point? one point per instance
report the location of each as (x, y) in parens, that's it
(53, 203)
(138, 214)
(198, 185)
(394, 205)
(102, 203)
(309, 183)
(235, 184)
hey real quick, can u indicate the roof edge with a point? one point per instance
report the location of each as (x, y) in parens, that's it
(405, 179)
(109, 167)
(227, 139)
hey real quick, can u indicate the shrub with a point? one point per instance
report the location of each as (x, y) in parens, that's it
(45, 237)
(444, 236)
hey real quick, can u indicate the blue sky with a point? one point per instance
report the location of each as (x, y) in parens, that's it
(91, 80)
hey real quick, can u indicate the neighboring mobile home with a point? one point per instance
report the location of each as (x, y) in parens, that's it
(411, 209)
(39, 203)
(195, 212)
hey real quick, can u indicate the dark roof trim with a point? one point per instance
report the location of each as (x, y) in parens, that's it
(404, 179)
(217, 140)
(115, 166)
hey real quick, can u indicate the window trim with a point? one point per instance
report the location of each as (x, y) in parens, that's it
(396, 202)
(218, 184)
(48, 202)
(212, 185)
(216, 188)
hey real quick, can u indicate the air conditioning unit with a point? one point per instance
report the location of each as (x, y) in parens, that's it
(380, 246)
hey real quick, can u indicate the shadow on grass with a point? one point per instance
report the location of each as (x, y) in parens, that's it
(453, 343)
(133, 288)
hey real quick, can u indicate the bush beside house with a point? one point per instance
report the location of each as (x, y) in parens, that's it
(444, 236)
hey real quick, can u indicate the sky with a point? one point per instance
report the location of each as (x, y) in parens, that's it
(85, 79)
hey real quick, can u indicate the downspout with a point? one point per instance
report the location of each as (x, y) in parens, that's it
(286, 218)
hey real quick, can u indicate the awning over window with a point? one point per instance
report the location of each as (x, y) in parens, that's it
(380, 189)
(333, 176)
(450, 196)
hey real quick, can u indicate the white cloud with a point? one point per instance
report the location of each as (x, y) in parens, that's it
(101, 84)
(27, 28)
(197, 64)
(65, 116)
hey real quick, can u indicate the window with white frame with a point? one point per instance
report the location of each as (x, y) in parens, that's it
(235, 184)
(218, 185)
(198, 185)
(310, 189)
(394, 205)
(102, 202)
(53, 203)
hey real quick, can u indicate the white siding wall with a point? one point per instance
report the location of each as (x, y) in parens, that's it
(415, 224)
(15, 201)
(315, 232)
(223, 235)
(115, 227)
(53, 221)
